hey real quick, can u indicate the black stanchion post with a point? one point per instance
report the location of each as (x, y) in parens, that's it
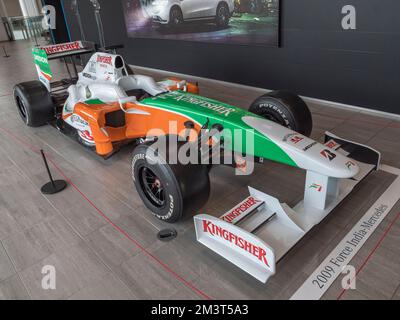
(5, 52)
(54, 186)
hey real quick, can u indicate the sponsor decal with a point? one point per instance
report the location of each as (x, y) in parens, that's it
(350, 164)
(296, 139)
(42, 66)
(241, 164)
(87, 75)
(92, 67)
(136, 158)
(40, 59)
(44, 80)
(86, 135)
(332, 144)
(217, 231)
(64, 47)
(328, 154)
(241, 208)
(171, 208)
(104, 59)
(77, 120)
(198, 101)
(316, 186)
(293, 137)
(310, 146)
(45, 75)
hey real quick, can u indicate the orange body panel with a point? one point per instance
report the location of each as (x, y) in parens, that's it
(103, 136)
(155, 122)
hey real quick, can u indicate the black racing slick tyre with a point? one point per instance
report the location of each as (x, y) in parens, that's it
(34, 103)
(286, 109)
(168, 190)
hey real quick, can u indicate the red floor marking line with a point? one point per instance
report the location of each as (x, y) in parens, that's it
(116, 227)
(372, 252)
(128, 236)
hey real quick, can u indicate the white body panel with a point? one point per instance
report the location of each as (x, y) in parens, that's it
(105, 78)
(273, 226)
(307, 153)
(240, 247)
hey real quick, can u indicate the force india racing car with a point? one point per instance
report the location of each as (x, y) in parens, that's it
(106, 106)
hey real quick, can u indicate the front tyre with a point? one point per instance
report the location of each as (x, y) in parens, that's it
(168, 190)
(222, 16)
(34, 103)
(286, 109)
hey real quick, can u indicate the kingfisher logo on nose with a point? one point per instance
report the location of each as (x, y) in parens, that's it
(217, 231)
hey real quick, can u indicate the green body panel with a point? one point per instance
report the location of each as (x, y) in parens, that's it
(201, 109)
(94, 101)
(41, 61)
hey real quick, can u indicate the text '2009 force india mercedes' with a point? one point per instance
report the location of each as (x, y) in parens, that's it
(106, 106)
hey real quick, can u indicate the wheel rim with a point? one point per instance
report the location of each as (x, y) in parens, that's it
(152, 187)
(21, 107)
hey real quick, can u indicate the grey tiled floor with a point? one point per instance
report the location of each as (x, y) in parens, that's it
(93, 260)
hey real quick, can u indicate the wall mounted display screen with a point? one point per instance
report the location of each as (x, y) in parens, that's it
(244, 22)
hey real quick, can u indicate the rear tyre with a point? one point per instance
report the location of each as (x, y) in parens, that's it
(222, 16)
(34, 103)
(168, 190)
(286, 109)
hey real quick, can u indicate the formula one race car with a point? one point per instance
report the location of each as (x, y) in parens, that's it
(106, 106)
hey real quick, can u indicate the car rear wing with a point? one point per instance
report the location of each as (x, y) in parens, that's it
(42, 56)
(68, 49)
(259, 231)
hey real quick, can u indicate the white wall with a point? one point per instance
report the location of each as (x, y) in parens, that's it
(3, 34)
(29, 8)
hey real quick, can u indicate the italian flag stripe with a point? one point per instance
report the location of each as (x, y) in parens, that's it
(47, 76)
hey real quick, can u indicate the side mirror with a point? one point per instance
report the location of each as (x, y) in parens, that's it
(182, 85)
(126, 100)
